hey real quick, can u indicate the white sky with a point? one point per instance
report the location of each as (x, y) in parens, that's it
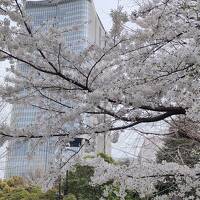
(103, 8)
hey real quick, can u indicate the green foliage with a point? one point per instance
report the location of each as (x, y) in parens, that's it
(182, 147)
(15, 182)
(166, 187)
(16, 188)
(107, 158)
(114, 189)
(77, 183)
(49, 195)
(70, 197)
(76, 186)
(181, 150)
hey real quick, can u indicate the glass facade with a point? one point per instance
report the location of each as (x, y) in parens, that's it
(64, 14)
(27, 157)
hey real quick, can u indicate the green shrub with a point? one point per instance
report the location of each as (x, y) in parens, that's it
(70, 197)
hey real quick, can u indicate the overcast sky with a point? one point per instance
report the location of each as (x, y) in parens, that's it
(103, 8)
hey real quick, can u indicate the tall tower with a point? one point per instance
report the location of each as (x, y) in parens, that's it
(65, 13)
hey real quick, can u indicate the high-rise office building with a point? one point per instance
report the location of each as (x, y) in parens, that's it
(25, 158)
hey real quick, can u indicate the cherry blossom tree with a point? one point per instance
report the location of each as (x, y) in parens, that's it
(148, 71)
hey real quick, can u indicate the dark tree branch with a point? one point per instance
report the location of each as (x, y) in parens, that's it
(51, 99)
(3, 9)
(149, 119)
(164, 109)
(33, 136)
(47, 109)
(46, 71)
(26, 25)
(138, 121)
(44, 57)
(99, 60)
(169, 111)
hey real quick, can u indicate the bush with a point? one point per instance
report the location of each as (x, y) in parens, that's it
(70, 197)
(16, 188)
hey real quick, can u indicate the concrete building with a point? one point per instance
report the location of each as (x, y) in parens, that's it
(24, 158)
(149, 149)
(152, 142)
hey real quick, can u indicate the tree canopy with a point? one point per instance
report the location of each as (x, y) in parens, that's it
(142, 75)
(149, 71)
